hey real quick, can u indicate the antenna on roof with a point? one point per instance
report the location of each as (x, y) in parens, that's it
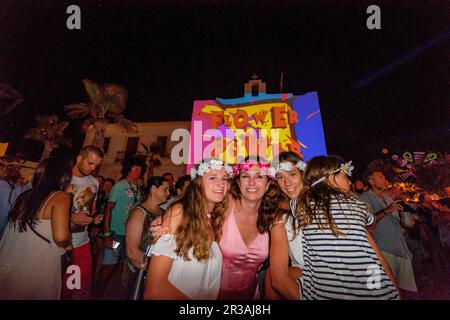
(281, 82)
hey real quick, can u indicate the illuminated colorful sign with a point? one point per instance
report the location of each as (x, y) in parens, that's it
(263, 125)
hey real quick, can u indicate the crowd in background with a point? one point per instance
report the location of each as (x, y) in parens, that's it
(285, 230)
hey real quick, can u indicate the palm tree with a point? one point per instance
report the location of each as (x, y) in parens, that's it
(106, 104)
(150, 151)
(50, 132)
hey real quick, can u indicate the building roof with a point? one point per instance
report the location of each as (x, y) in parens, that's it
(157, 123)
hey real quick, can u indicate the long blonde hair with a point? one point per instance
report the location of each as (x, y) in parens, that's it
(195, 230)
(314, 202)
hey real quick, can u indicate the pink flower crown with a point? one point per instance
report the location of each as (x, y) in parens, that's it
(266, 169)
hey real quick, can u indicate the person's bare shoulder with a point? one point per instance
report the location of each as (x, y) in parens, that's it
(61, 197)
(173, 217)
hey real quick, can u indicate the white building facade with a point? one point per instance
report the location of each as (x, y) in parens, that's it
(120, 144)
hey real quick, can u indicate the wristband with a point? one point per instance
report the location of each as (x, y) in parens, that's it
(107, 234)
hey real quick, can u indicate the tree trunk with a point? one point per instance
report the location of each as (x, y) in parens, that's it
(99, 134)
(149, 169)
(49, 146)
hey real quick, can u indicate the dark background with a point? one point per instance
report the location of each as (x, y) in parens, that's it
(377, 88)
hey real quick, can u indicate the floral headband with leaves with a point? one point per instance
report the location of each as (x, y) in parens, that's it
(347, 168)
(266, 169)
(210, 164)
(287, 166)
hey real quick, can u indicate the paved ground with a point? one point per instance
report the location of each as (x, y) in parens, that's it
(432, 284)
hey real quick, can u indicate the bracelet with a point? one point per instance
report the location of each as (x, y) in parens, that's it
(107, 234)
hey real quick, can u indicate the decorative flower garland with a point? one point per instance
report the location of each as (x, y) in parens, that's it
(347, 168)
(210, 164)
(287, 166)
(266, 169)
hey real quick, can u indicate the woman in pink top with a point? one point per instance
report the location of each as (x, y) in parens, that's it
(244, 242)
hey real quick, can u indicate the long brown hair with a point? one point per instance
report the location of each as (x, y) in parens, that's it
(195, 230)
(314, 202)
(267, 210)
(293, 158)
(52, 174)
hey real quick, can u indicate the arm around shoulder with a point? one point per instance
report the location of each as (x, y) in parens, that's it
(173, 217)
(282, 282)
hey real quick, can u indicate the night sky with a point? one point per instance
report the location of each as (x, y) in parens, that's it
(377, 88)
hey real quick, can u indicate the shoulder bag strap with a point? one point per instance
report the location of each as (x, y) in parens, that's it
(37, 233)
(40, 210)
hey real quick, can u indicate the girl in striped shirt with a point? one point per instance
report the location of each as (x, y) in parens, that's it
(341, 261)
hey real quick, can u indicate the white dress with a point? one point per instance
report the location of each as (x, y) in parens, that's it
(197, 280)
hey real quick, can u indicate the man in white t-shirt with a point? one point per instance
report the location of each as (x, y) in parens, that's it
(84, 188)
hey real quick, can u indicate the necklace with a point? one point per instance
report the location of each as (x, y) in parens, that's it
(156, 210)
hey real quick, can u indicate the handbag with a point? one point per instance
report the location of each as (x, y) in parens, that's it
(66, 258)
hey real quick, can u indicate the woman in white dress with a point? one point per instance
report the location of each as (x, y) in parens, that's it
(37, 235)
(186, 263)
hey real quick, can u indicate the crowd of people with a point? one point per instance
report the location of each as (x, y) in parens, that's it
(254, 230)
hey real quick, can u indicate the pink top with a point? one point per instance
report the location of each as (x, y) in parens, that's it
(240, 263)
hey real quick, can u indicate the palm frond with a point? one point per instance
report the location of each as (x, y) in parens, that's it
(115, 97)
(93, 91)
(156, 163)
(145, 147)
(77, 110)
(155, 148)
(123, 122)
(35, 134)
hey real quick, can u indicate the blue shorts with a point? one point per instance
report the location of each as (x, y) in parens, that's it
(110, 256)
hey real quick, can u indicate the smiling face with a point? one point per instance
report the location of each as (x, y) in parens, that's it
(215, 185)
(290, 182)
(253, 184)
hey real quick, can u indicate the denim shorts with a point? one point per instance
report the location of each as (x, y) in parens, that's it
(110, 256)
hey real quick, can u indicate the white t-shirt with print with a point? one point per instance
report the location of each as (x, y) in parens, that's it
(84, 192)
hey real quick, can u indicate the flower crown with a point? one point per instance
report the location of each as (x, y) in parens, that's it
(266, 169)
(347, 168)
(207, 165)
(287, 166)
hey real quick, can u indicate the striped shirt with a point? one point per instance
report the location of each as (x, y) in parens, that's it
(344, 267)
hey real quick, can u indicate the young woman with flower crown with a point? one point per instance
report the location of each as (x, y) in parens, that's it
(285, 241)
(340, 261)
(186, 263)
(243, 228)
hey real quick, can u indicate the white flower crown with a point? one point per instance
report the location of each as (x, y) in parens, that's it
(287, 166)
(207, 165)
(347, 168)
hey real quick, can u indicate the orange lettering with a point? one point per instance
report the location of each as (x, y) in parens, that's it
(293, 119)
(216, 119)
(278, 119)
(240, 119)
(227, 120)
(260, 117)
